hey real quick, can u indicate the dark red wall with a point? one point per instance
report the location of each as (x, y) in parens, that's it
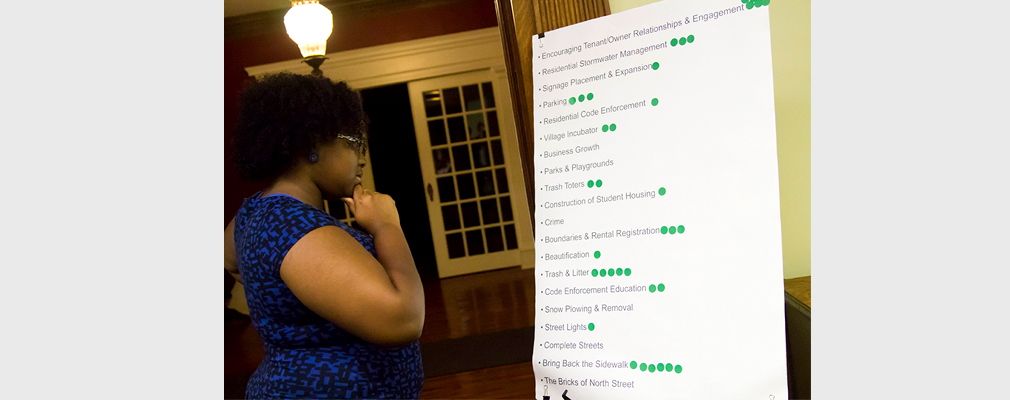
(349, 32)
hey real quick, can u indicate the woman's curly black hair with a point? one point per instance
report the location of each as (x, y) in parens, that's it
(285, 116)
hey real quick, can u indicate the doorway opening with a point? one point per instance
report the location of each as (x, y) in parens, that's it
(397, 169)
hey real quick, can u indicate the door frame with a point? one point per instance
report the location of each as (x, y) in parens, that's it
(432, 57)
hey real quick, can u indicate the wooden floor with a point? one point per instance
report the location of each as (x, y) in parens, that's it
(472, 304)
(455, 307)
(514, 381)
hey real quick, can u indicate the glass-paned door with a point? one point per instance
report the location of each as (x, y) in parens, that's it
(459, 137)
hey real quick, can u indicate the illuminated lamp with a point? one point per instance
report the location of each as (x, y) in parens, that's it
(309, 24)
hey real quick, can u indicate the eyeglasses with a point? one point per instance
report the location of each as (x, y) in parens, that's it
(358, 144)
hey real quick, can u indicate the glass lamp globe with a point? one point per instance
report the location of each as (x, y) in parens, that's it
(309, 24)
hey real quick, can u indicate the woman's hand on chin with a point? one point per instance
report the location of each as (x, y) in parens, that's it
(374, 211)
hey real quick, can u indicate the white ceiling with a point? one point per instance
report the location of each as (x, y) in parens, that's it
(240, 7)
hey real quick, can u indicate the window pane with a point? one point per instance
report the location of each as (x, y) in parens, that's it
(471, 96)
(506, 208)
(503, 182)
(466, 189)
(451, 99)
(436, 129)
(489, 210)
(488, 94)
(474, 242)
(454, 241)
(481, 155)
(461, 158)
(510, 237)
(492, 123)
(450, 217)
(432, 103)
(485, 183)
(499, 155)
(470, 215)
(446, 190)
(441, 158)
(475, 125)
(494, 239)
(457, 129)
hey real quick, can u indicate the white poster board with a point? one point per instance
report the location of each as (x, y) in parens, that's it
(659, 247)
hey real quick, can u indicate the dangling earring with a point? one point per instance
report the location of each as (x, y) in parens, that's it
(313, 157)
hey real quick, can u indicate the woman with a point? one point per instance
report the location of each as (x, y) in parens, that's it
(339, 310)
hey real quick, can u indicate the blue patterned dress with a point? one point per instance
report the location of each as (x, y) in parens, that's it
(306, 355)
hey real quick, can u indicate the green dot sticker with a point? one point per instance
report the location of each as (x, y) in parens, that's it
(634, 365)
(620, 272)
(673, 229)
(590, 183)
(677, 368)
(680, 229)
(581, 98)
(662, 230)
(595, 273)
(613, 127)
(627, 272)
(655, 102)
(596, 254)
(669, 367)
(571, 100)
(652, 288)
(659, 367)
(589, 96)
(683, 41)
(599, 183)
(673, 42)
(662, 191)
(592, 326)
(643, 367)
(606, 128)
(655, 65)
(690, 38)
(610, 272)
(652, 368)
(661, 287)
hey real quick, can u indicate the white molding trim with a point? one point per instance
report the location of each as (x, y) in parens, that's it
(404, 61)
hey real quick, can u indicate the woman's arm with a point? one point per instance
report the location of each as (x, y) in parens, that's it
(379, 300)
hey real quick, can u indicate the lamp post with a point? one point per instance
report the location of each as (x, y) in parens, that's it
(309, 24)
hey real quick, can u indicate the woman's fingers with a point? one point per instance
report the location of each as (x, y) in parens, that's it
(352, 202)
(372, 209)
